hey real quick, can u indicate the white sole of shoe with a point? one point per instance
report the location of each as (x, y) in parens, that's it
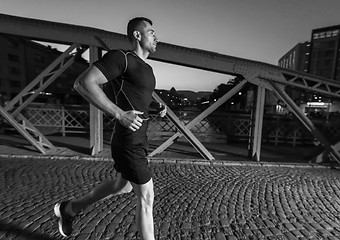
(58, 215)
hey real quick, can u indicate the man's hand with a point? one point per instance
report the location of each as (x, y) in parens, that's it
(163, 110)
(131, 120)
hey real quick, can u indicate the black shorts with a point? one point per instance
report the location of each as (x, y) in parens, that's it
(131, 162)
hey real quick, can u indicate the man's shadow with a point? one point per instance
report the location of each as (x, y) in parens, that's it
(25, 233)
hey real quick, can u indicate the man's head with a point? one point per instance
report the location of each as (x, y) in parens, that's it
(136, 24)
(142, 35)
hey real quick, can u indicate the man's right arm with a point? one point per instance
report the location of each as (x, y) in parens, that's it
(88, 86)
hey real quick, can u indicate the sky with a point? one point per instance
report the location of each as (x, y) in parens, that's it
(260, 30)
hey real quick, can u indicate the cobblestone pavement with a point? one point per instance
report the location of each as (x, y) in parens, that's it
(193, 201)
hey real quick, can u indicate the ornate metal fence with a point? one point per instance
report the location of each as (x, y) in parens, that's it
(220, 127)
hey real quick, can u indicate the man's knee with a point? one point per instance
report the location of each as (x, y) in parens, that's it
(147, 198)
(145, 194)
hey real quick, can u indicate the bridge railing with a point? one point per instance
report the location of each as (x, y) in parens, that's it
(217, 127)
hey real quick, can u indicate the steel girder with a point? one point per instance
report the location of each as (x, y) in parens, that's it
(169, 53)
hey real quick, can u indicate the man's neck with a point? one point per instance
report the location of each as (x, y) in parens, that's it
(140, 53)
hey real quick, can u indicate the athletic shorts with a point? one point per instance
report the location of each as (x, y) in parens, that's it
(131, 162)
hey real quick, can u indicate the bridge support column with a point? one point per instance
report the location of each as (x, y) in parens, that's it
(257, 120)
(96, 116)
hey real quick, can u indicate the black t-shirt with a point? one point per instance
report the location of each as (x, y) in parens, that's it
(133, 81)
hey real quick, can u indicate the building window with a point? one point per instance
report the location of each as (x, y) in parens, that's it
(38, 58)
(14, 84)
(14, 71)
(14, 44)
(38, 70)
(13, 58)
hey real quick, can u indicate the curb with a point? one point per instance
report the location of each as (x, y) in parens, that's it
(173, 161)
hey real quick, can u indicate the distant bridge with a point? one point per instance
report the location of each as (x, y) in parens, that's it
(79, 38)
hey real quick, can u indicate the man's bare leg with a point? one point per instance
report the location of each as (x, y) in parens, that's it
(144, 215)
(66, 210)
(104, 190)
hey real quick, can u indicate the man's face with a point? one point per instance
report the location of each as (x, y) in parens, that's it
(148, 38)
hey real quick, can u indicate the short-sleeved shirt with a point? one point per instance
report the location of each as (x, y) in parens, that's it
(133, 81)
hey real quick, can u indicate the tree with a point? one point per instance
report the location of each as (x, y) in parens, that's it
(238, 100)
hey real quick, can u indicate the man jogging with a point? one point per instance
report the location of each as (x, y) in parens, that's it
(134, 83)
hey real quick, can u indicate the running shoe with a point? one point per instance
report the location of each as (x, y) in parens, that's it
(65, 220)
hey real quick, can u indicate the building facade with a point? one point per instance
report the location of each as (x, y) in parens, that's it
(297, 58)
(21, 61)
(324, 54)
(320, 56)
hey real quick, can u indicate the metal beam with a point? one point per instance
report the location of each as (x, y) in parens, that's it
(199, 118)
(186, 132)
(305, 120)
(28, 131)
(312, 83)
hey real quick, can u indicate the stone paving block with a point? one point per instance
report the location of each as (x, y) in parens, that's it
(289, 226)
(307, 234)
(275, 231)
(220, 236)
(297, 225)
(297, 234)
(336, 232)
(118, 237)
(186, 225)
(333, 238)
(231, 237)
(266, 232)
(325, 233)
(309, 219)
(309, 227)
(130, 235)
(290, 236)
(316, 226)
(247, 232)
(268, 223)
(164, 228)
(225, 222)
(327, 226)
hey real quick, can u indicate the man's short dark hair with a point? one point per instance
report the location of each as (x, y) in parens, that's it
(135, 24)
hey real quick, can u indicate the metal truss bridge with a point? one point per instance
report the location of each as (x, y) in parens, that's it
(79, 39)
